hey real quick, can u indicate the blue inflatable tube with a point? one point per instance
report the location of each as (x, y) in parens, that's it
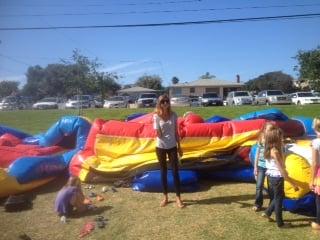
(307, 124)
(150, 181)
(67, 126)
(134, 115)
(305, 205)
(28, 169)
(216, 119)
(14, 132)
(269, 114)
(244, 174)
(252, 154)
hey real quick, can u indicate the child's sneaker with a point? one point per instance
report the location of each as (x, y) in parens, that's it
(63, 219)
(315, 226)
(285, 225)
(264, 215)
(256, 209)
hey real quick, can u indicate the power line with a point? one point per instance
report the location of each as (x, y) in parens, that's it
(103, 4)
(232, 20)
(15, 60)
(159, 11)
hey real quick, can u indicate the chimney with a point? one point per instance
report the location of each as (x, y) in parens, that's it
(238, 78)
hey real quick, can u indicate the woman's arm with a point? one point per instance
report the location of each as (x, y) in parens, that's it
(178, 137)
(156, 125)
(256, 161)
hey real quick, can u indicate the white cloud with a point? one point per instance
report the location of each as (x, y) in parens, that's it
(122, 66)
(139, 71)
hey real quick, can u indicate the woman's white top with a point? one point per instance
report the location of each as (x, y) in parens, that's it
(168, 129)
(272, 168)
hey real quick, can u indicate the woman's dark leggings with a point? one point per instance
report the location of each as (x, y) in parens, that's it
(318, 208)
(173, 158)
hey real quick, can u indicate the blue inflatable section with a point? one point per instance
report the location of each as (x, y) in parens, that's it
(27, 169)
(134, 115)
(269, 114)
(252, 154)
(150, 181)
(66, 126)
(216, 119)
(33, 168)
(305, 205)
(244, 174)
(307, 124)
(12, 131)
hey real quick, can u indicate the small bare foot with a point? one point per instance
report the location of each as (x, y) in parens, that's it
(164, 202)
(180, 204)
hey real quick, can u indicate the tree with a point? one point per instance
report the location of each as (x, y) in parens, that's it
(175, 80)
(271, 80)
(309, 67)
(79, 76)
(8, 88)
(207, 75)
(150, 81)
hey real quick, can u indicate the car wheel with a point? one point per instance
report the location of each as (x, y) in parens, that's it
(267, 103)
(233, 103)
(299, 103)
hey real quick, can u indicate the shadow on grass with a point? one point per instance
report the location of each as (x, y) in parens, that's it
(98, 211)
(223, 200)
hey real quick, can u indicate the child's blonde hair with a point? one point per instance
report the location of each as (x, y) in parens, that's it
(266, 127)
(73, 181)
(316, 124)
(273, 139)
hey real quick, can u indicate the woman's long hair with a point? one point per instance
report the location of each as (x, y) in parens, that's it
(266, 127)
(316, 124)
(273, 139)
(159, 109)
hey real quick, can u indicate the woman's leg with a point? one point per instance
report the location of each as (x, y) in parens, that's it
(161, 154)
(270, 208)
(318, 208)
(173, 157)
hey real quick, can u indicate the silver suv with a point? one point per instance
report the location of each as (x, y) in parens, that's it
(269, 97)
(209, 99)
(147, 100)
(239, 98)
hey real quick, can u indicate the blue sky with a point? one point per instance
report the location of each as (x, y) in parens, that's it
(247, 48)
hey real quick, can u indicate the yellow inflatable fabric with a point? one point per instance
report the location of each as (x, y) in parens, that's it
(299, 170)
(10, 186)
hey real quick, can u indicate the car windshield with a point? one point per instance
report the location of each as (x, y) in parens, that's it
(305, 94)
(210, 95)
(274, 93)
(9, 99)
(48, 100)
(150, 95)
(180, 96)
(241, 94)
(80, 97)
(113, 99)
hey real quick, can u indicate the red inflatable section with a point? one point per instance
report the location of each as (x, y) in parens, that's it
(11, 149)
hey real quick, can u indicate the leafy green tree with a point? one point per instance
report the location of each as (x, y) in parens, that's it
(8, 87)
(150, 81)
(175, 80)
(309, 67)
(271, 80)
(207, 75)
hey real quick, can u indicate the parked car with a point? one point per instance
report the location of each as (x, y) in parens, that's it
(180, 101)
(195, 101)
(302, 98)
(115, 102)
(269, 97)
(239, 98)
(14, 103)
(98, 102)
(210, 99)
(47, 103)
(147, 100)
(80, 101)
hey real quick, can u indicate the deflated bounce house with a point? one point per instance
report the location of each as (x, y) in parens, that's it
(217, 148)
(27, 162)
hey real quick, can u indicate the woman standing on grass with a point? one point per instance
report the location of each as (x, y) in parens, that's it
(167, 143)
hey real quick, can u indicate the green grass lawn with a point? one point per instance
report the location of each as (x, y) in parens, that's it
(219, 210)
